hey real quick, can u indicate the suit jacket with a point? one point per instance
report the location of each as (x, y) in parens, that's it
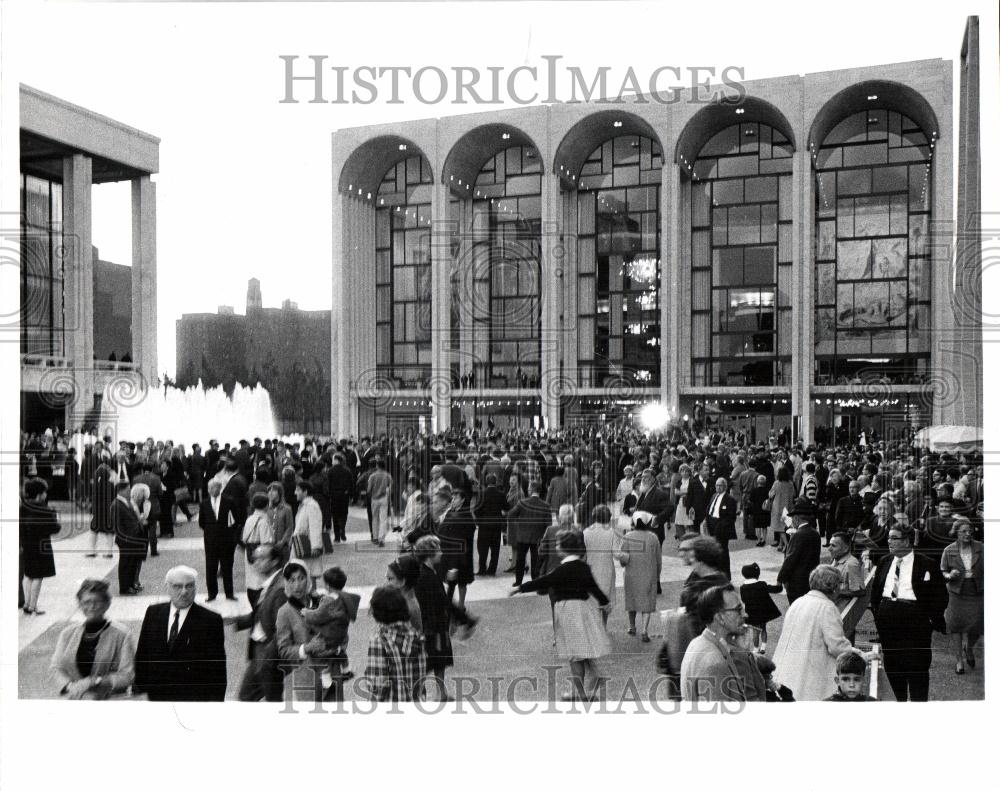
(800, 559)
(489, 511)
(928, 587)
(710, 673)
(457, 534)
(529, 518)
(234, 501)
(214, 528)
(850, 513)
(698, 498)
(591, 497)
(194, 669)
(129, 535)
(657, 502)
(723, 528)
(266, 614)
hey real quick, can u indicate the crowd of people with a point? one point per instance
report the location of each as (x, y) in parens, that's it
(569, 510)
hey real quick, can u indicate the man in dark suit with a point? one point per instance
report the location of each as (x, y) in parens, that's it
(244, 460)
(489, 517)
(212, 459)
(196, 468)
(219, 543)
(457, 532)
(908, 600)
(721, 517)
(850, 511)
(181, 653)
(532, 516)
(263, 679)
(341, 485)
(130, 538)
(699, 494)
(235, 498)
(592, 494)
(803, 551)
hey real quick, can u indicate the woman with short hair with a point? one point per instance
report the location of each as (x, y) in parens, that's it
(37, 524)
(580, 635)
(95, 659)
(396, 664)
(812, 637)
(962, 568)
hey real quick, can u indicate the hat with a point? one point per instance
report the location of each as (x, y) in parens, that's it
(645, 518)
(802, 507)
(628, 469)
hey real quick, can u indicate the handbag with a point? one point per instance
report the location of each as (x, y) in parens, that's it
(767, 505)
(302, 545)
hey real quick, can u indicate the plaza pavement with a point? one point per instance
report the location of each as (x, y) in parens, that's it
(513, 639)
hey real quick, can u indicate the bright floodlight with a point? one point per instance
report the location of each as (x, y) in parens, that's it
(654, 416)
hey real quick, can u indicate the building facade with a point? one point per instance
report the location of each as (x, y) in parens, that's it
(67, 378)
(777, 260)
(286, 350)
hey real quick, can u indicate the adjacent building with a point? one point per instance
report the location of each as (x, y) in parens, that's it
(778, 260)
(286, 350)
(78, 311)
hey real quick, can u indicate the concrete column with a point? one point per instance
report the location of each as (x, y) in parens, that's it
(569, 308)
(552, 277)
(802, 293)
(948, 359)
(144, 277)
(672, 258)
(466, 357)
(78, 274)
(440, 389)
(340, 396)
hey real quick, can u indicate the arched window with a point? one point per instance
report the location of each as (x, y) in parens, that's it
(741, 259)
(496, 287)
(618, 227)
(403, 274)
(872, 296)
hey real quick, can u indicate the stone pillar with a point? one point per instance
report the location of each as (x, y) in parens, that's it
(78, 274)
(802, 294)
(440, 386)
(144, 277)
(948, 357)
(552, 279)
(340, 394)
(569, 308)
(672, 258)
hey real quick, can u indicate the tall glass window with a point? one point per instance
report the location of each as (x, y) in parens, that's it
(873, 300)
(42, 323)
(741, 259)
(496, 283)
(618, 254)
(403, 274)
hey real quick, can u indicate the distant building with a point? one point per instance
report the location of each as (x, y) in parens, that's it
(76, 309)
(287, 351)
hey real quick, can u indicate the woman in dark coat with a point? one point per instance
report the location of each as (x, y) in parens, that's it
(167, 500)
(36, 525)
(754, 510)
(103, 492)
(436, 610)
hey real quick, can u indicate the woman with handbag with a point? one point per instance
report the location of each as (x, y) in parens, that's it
(962, 569)
(307, 539)
(257, 530)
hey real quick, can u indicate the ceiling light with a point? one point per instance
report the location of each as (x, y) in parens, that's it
(873, 97)
(402, 146)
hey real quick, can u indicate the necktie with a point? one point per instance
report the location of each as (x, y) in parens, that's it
(895, 582)
(175, 627)
(713, 510)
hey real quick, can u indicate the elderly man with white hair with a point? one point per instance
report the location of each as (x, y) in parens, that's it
(181, 654)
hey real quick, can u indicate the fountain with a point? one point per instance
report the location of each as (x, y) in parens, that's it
(194, 414)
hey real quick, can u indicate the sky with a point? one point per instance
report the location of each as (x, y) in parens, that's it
(244, 188)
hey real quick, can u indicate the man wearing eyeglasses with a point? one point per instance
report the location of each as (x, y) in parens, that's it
(908, 601)
(710, 671)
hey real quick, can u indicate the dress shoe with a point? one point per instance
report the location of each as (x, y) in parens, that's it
(154, 554)
(645, 637)
(91, 555)
(231, 598)
(108, 555)
(630, 631)
(210, 598)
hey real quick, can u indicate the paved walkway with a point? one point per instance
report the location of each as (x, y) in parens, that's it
(514, 637)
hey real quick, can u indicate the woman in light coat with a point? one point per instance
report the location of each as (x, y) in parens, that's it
(94, 659)
(309, 522)
(781, 496)
(812, 637)
(642, 560)
(603, 548)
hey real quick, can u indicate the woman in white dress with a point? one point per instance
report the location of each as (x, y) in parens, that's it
(603, 547)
